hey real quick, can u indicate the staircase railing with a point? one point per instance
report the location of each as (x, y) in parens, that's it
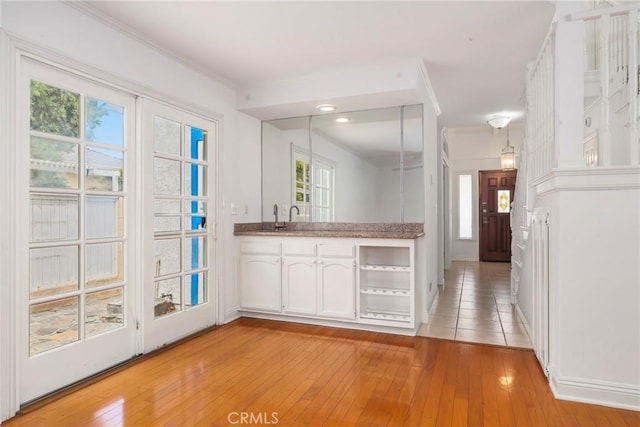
(540, 120)
(612, 49)
(601, 80)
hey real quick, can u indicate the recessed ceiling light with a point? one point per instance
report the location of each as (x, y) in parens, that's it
(343, 120)
(325, 108)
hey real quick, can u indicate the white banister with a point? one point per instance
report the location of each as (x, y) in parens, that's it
(604, 134)
(614, 30)
(633, 94)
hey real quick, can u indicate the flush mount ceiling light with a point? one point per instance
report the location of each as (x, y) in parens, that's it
(326, 108)
(498, 122)
(343, 120)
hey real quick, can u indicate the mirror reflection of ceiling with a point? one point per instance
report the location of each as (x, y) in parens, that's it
(373, 135)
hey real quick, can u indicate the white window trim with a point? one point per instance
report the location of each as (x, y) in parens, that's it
(298, 153)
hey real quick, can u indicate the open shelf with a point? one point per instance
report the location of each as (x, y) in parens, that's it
(388, 316)
(385, 291)
(373, 267)
(386, 285)
(380, 257)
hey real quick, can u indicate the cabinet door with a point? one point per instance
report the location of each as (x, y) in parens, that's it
(299, 285)
(260, 282)
(336, 288)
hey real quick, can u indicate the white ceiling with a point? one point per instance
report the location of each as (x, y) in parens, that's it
(475, 52)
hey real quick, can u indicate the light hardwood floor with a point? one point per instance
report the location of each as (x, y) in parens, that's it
(290, 374)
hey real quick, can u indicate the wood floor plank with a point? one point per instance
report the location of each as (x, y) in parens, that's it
(311, 376)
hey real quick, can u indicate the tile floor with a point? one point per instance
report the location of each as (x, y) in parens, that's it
(475, 306)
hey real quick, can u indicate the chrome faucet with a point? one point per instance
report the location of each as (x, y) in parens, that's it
(276, 225)
(291, 210)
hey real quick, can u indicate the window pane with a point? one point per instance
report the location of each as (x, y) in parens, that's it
(103, 169)
(53, 324)
(466, 207)
(195, 179)
(53, 270)
(195, 253)
(104, 122)
(195, 206)
(195, 222)
(197, 148)
(54, 164)
(166, 136)
(195, 291)
(167, 256)
(299, 171)
(103, 311)
(164, 224)
(103, 217)
(167, 298)
(54, 217)
(166, 206)
(504, 201)
(54, 110)
(103, 264)
(166, 176)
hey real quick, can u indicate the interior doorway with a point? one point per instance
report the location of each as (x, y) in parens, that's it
(497, 189)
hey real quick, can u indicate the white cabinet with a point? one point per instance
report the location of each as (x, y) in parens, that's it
(322, 285)
(363, 281)
(336, 288)
(299, 285)
(386, 285)
(260, 276)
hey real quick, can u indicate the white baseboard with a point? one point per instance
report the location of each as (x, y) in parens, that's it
(433, 305)
(615, 395)
(524, 321)
(230, 316)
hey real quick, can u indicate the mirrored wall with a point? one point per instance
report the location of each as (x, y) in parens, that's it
(361, 166)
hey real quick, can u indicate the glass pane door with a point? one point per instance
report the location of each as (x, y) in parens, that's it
(181, 263)
(78, 295)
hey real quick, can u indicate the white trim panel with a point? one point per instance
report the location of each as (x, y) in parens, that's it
(582, 390)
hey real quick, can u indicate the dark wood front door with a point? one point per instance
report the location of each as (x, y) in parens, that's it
(496, 195)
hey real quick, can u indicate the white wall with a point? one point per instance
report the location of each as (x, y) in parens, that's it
(59, 32)
(427, 285)
(471, 150)
(595, 288)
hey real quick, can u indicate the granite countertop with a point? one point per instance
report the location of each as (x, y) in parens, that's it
(325, 229)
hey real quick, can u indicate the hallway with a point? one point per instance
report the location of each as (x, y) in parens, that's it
(475, 306)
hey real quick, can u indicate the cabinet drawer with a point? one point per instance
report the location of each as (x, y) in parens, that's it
(337, 251)
(266, 248)
(298, 248)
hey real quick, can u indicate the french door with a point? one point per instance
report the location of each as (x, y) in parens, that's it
(179, 193)
(76, 219)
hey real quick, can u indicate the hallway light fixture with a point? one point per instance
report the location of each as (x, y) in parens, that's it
(498, 122)
(508, 155)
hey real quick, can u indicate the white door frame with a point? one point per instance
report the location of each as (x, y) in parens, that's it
(179, 324)
(118, 344)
